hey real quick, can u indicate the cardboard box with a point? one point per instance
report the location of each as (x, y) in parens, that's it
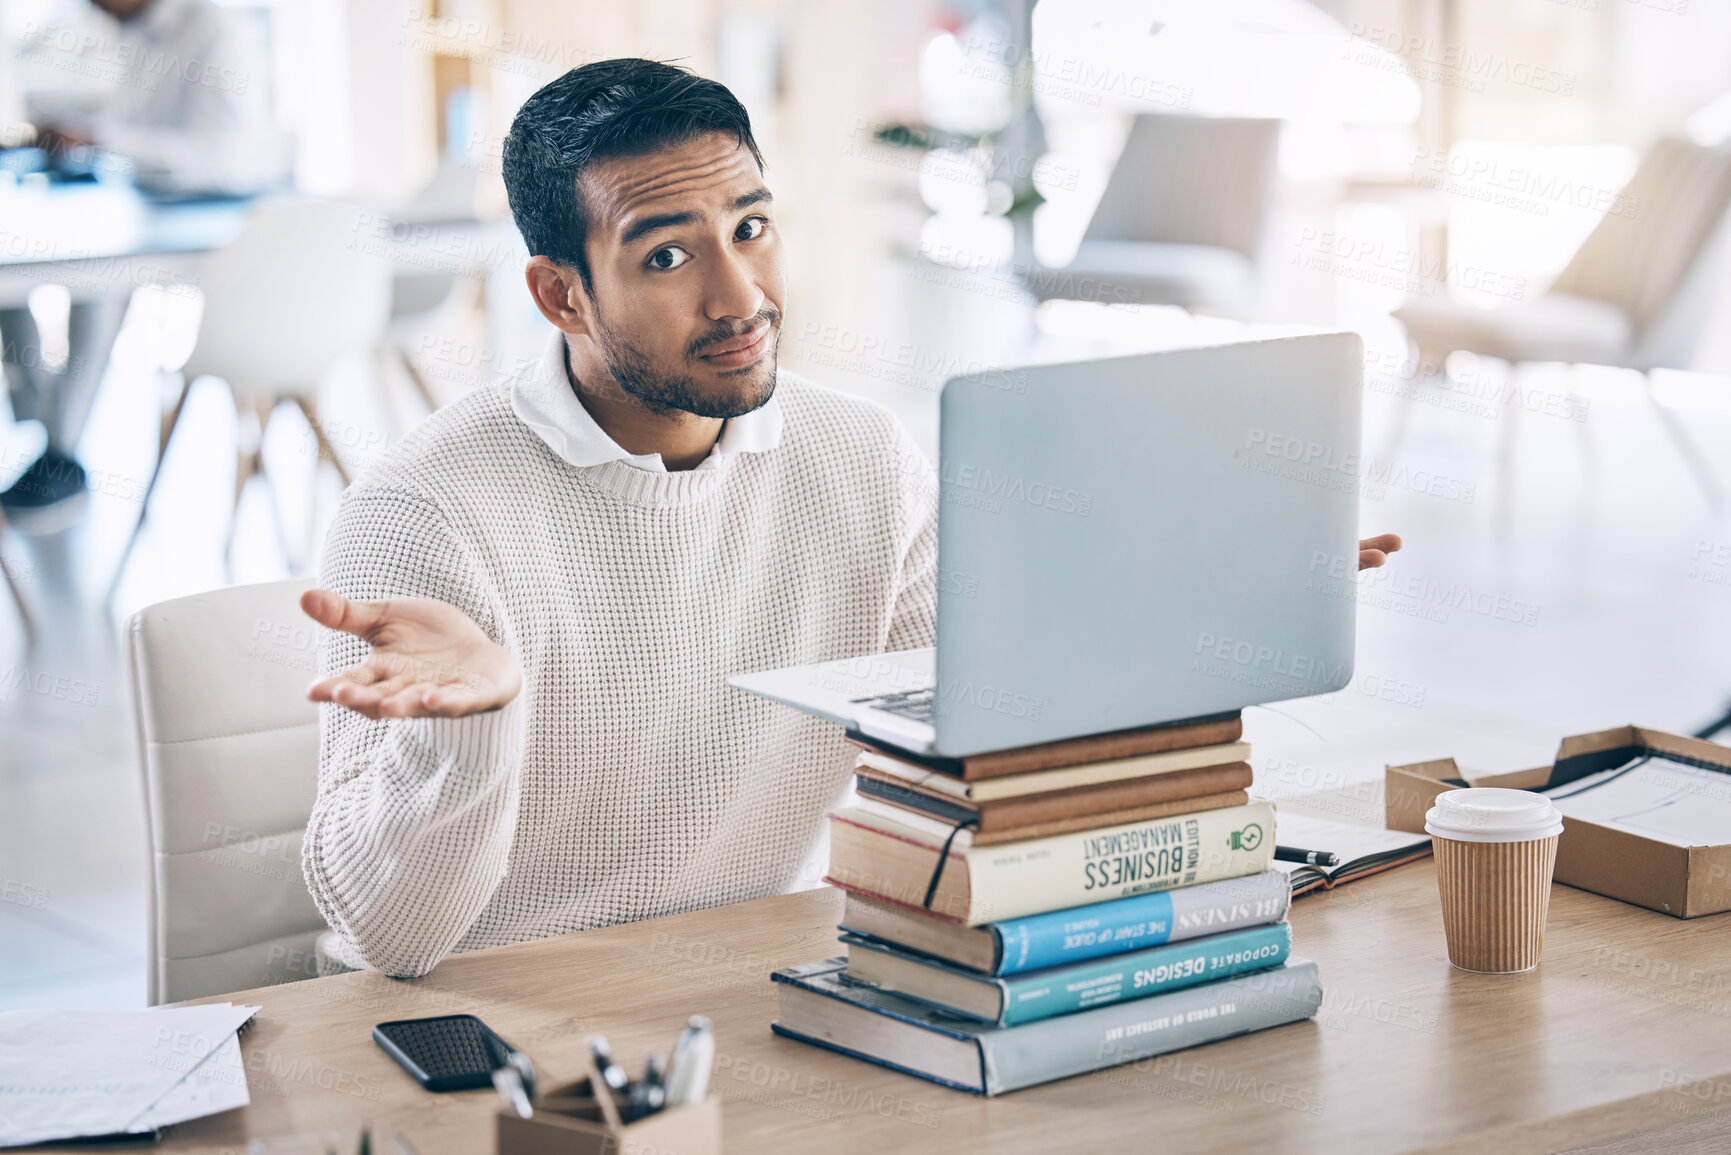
(1685, 881)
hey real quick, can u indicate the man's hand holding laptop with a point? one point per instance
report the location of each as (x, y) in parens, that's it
(430, 661)
(1373, 551)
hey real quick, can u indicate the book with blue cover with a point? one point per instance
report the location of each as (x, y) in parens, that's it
(1014, 946)
(820, 1006)
(1041, 994)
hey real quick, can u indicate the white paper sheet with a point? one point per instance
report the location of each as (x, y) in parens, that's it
(1662, 800)
(70, 1073)
(216, 1084)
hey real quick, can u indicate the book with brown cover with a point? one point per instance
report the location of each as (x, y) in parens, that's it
(1210, 731)
(1034, 811)
(1127, 814)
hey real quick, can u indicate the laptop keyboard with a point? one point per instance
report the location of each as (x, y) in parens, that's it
(915, 704)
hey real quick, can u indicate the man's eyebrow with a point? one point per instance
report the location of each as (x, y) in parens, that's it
(648, 225)
(642, 228)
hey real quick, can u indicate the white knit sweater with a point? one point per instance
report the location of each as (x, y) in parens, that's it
(626, 780)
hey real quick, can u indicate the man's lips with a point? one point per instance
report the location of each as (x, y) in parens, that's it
(740, 350)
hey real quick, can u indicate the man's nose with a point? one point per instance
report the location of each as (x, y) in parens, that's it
(732, 289)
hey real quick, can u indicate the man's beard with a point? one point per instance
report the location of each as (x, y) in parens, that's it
(636, 374)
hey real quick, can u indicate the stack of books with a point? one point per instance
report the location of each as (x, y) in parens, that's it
(1032, 914)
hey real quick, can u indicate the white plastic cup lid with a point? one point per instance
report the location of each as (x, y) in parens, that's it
(1492, 814)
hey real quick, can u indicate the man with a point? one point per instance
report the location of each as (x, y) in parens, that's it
(555, 577)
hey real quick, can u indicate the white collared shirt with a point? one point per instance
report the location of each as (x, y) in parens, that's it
(543, 399)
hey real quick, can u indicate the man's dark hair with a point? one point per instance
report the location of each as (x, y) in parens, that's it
(610, 108)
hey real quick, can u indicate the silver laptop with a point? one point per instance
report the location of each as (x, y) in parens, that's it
(1124, 543)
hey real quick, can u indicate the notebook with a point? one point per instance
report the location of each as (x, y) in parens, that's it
(1363, 850)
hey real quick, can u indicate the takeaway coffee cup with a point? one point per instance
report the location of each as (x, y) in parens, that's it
(1495, 850)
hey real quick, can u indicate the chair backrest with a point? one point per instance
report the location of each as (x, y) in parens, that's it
(1191, 180)
(1641, 254)
(230, 748)
(306, 283)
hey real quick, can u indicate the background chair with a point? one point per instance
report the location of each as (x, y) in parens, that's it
(21, 442)
(421, 304)
(302, 287)
(1182, 219)
(1635, 295)
(229, 746)
(421, 299)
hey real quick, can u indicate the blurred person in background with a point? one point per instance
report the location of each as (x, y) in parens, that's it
(176, 87)
(177, 93)
(14, 129)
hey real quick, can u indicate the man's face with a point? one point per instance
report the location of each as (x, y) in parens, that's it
(688, 276)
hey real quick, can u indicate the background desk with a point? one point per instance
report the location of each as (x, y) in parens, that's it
(1406, 1052)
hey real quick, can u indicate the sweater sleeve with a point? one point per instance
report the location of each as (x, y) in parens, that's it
(414, 820)
(913, 623)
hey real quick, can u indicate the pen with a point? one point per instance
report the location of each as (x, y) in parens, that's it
(509, 1084)
(643, 1099)
(1307, 857)
(520, 1063)
(514, 1079)
(688, 1072)
(612, 1074)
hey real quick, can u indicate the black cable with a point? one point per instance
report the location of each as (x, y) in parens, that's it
(1722, 722)
(943, 856)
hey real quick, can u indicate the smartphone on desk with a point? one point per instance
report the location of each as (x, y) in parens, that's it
(447, 1053)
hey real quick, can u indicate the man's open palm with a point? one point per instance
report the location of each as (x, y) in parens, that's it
(428, 661)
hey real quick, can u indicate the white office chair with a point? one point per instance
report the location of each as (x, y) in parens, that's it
(230, 748)
(420, 304)
(303, 286)
(1635, 295)
(1182, 219)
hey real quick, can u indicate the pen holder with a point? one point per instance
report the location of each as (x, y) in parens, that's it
(570, 1119)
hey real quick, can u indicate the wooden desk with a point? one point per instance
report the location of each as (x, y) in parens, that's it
(1626, 1026)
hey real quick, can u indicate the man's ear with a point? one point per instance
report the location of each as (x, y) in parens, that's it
(560, 295)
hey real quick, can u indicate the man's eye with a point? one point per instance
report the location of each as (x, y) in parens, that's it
(668, 258)
(750, 229)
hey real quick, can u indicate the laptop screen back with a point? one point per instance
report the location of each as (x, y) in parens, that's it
(1145, 539)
